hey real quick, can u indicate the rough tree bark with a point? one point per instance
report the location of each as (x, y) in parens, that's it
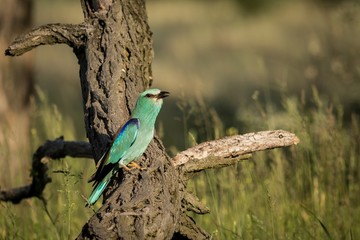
(114, 49)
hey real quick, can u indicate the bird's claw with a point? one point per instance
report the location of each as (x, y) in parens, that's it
(135, 165)
(132, 166)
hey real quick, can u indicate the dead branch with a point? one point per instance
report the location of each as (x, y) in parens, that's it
(55, 149)
(73, 35)
(229, 150)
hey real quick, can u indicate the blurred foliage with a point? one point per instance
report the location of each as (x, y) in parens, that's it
(294, 66)
(255, 6)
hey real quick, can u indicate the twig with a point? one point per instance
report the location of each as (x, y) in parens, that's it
(55, 149)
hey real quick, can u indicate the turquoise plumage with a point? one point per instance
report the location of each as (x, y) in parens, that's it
(130, 141)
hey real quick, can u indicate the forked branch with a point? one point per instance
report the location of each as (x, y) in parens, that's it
(55, 149)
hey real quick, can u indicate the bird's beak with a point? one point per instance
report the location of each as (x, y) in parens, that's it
(163, 94)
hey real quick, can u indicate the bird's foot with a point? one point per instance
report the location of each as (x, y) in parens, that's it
(125, 167)
(134, 165)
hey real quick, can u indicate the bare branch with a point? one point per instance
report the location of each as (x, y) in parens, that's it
(55, 149)
(73, 35)
(228, 150)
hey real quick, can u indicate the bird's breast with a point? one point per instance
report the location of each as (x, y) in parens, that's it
(142, 141)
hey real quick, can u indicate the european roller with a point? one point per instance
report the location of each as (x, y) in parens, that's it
(130, 141)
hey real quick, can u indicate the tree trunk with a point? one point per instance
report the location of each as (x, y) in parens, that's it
(115, 66)
(16, 87)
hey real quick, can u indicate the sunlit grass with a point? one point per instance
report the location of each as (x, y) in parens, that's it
(62, 214)
(303, 192)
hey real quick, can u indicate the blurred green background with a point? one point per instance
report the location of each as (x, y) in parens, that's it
(231, 67)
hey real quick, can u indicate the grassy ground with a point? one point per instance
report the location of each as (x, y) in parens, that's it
(294, 68)
(305, 192)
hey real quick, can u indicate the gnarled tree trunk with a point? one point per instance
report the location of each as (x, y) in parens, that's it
(115, 65)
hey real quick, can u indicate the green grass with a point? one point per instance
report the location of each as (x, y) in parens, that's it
(309, 191)
(62, 214)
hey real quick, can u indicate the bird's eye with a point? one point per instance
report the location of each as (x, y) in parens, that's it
(148, 95)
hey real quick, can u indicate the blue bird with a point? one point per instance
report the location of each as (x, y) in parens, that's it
(130, 141)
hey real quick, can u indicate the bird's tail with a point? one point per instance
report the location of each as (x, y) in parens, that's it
(97, 191)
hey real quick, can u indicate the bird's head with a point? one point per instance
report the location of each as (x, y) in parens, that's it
(153, 96)
(149, 101)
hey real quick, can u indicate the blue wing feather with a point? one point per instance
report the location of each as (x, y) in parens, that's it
(124, 140)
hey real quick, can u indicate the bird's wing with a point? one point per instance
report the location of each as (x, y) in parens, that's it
(124, 138)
